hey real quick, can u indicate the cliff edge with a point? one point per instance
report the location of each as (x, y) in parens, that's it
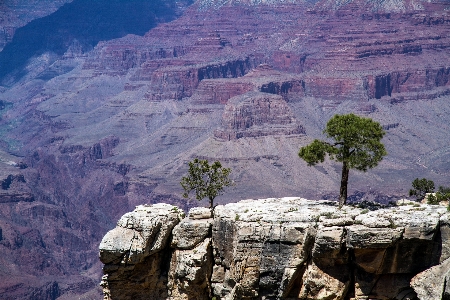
(287, 248)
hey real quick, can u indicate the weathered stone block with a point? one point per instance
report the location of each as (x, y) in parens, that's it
(199, 213)
(190, 271)
(359, 236)
(189, 233)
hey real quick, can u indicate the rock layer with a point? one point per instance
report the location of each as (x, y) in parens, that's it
(257, 114)
(288, 248)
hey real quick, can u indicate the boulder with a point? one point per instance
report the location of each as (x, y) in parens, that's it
(189, 233)
(199, 213)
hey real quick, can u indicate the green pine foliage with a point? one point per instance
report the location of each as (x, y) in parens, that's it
(207, 181)
(443, 194)
(432, 199)
(421, 187)
(356, 142)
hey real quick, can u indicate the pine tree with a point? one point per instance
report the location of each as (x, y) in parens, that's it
(356, 143)
(207, 181)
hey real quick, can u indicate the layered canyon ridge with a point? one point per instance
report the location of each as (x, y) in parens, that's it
(104, 116)
(286, 248)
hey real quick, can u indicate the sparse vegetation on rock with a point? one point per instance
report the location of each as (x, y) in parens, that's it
(357, 144)
(421, 187)
(443, 194)
(207, 181)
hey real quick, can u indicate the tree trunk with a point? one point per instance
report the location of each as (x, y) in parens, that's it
(211, 203)
(211, 206)
(344, 183)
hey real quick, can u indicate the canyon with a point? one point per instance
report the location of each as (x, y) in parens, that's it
(288, 248)
(91, 127)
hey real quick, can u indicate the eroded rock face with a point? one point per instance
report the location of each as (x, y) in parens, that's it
(288, 248)
(138, 248)
(256, 114)
(432, 283)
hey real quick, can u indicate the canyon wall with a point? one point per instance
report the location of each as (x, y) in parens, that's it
(285, 248)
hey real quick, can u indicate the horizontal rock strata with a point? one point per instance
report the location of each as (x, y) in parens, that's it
(288, 248)
(257, 114)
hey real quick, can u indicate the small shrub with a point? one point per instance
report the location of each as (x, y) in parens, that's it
(328, 214)
(207, 181)
(443, 194)
(364, 211)
(432, 199)
(236, 218)
(421, 187)
(392, 224)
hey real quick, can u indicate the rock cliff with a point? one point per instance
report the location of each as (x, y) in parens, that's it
(288, 248)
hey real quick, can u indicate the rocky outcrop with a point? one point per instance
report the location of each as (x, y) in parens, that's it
(137, 248)
(286, 248)
(256, 114)
(433, 283)
(180, 82)
(407, 82)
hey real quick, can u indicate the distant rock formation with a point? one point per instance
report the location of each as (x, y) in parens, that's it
(374, 5)
(257, 114)
(288, 248)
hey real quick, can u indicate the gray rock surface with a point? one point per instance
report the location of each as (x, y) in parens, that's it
(135, 252)
(433, 283)
(189, 273)
(199, 213)
(286, 248)
(189, 233)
